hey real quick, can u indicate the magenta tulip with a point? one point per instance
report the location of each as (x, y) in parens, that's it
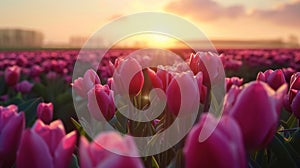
(295, 81)
(12, 125)
(233, 81)
(101, 102)
(45, 112)
(257, 110)
(128, 73)
(46, 146)
(12, 75)
(109, 149)
(223, 148)
(296, 105)
(182, 84)
(274, 78)
(24, 87)
(83, 85)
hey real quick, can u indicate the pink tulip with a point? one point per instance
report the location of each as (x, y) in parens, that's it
(24, 87)
(223, 148)
(274, 78)
(296, 105)
(12, 75)
(46, 146)
(182, 84)
(83, 85)
(257, 110)
(230, 98)
(233, 81)
(128, 73)
(295, 81)
(100, 102)
(45, 112)
(109, 149)
(202, 89)
(12, 125)
(36, 70)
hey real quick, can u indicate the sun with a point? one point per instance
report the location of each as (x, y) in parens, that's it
(149, 40)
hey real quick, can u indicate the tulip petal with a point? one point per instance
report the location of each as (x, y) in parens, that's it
(33, 152)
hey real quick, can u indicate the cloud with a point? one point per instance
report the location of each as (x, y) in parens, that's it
(204, 9)
(287, 14)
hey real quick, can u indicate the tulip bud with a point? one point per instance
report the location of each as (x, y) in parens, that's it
(128, 73)
(223, 148)
(274, 78)
(296, 105)
(12, 125)
(182, 93)
(24, 87)
(101, 103)
(257, 110)
(109, 149)
(46, 146)
(233, 81)
(12, 75)
(83, 85)
(45, 112)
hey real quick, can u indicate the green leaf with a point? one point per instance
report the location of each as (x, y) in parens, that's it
(80, 129)
(282, 156)
(291, 122)
(295, 141)
(154, 162)
(74, 162)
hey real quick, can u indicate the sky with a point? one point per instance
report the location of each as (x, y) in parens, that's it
(218, 19)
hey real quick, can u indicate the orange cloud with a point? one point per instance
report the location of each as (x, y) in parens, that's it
(205, 10)
(287, 14)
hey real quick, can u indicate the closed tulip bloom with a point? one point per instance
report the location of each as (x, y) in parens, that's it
(128, 75)
(83, 85)
(109, 149)
(12, 125)
(101, 102)
(295, 81)
(257, 109)
(274, 78)
(46, 146)
(182, 93)
(45, 112)
(233, 81)
(12, 75)
(296, 105)
(223, 148)
(24, 87)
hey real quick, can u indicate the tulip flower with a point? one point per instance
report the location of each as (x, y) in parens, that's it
(296, 105)
(24, 87)
(12, 125)
(274, 78)
(182, 84)
(83, 85)
(223, 148)
(294, 94)
(36, 70)
(12, 75)
(109, 149)
(45, 112)
(101, 102)
(233, 81)
(46, 146)
(128, 73)
(257, 109)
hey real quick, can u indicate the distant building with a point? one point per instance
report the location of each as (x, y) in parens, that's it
(19, 38)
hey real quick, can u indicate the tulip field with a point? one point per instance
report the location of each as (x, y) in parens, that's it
(54, 113)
